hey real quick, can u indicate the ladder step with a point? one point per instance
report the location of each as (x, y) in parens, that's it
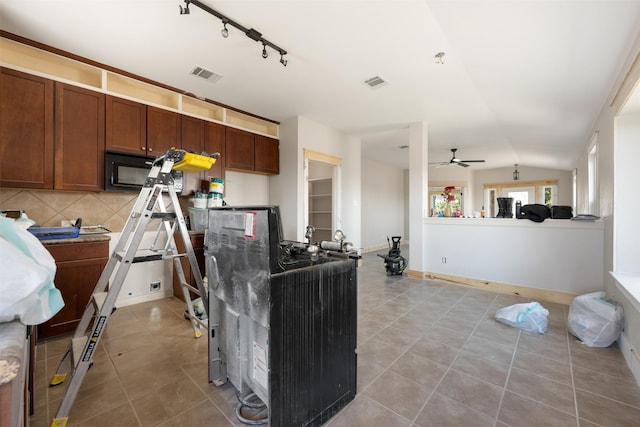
(77, 345)
(164, 215)
(146, 255)
(98, 300)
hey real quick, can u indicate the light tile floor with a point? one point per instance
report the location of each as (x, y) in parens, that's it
(429, 354)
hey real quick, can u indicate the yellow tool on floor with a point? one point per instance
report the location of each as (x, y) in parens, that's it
(149, 205)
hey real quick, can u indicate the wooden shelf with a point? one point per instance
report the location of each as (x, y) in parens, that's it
(202, 108)
(30, 59)
(125, 86)
(245, 121)
(43, 63)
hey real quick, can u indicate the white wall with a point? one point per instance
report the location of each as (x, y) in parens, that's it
(299, 133)
(383, 204)
(242, 189)
(558, 255)
(627, 230)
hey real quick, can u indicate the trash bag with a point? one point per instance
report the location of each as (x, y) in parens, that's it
(595, 321)
(26, 278)
(530, 317)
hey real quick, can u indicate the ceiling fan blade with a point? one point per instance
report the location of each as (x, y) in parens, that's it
(472, 161)
(464, 165)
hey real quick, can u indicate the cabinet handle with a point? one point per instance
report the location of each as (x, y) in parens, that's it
(149, 149)
(143, 148)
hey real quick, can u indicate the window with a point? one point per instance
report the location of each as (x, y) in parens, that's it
(592, 177)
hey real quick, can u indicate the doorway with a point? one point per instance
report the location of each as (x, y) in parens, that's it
(321, 207)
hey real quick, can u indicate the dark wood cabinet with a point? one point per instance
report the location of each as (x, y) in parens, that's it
(192, 134)
(79, 266)
(239, 149)
(267, 155)
(26, 130)
(197, 242)
(163, 130)
(214, 143)
(126, 126)
(79, 138)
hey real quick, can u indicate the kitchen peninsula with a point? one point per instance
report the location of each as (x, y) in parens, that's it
(554, 260)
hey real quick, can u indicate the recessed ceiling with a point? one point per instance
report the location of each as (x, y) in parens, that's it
(522, 81)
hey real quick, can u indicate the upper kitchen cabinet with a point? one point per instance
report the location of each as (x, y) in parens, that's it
(132, 127)
(163, 130)
(215, 143)
(249, 152)
(26, 130)
(126, 126)
(192, 134)
(79, 138)
(239, 149)
(267, 155)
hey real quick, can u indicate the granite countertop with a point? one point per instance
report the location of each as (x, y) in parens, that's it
(83, 238)
(12, 341)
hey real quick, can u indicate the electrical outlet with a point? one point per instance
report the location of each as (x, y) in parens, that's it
(154, 286)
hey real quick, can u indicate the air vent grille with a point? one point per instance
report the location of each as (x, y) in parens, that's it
(206, 74)
(375, 82)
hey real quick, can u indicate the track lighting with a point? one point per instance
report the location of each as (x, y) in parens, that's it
(516, 174)
(249, 32)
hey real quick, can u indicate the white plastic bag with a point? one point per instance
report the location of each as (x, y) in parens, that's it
(530, 317)
(26, 277)
(594, 320)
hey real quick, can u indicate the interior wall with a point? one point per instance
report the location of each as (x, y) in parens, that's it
(243, 189)
(284, 187)
(627, 232)
(299, 133)
(383, 200)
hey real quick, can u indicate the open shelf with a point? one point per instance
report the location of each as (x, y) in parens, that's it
(36, 60)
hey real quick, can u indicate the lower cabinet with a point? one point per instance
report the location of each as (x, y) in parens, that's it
(197, 242)
(79, 266)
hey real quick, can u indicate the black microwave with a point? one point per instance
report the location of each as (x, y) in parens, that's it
(128, 172)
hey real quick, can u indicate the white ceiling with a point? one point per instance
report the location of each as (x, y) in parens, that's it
(522, 81)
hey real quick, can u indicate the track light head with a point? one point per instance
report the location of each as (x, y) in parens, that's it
(224, 31)
(264, 51)
(282, 60)
(184, 10)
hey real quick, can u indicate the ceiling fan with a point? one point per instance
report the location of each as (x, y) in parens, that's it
(455, 161)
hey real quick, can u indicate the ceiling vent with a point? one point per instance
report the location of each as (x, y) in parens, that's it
(375, 82)
(206, 74)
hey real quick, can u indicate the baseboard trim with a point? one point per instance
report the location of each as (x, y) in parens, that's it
(414, 274)
(504, 288)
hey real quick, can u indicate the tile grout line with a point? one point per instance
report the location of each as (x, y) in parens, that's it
(424, 405)
(573, 384)
(506, 381)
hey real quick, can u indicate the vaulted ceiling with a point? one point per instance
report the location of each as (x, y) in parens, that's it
(520, 81)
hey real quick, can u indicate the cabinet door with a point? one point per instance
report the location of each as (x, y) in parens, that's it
(214, 143)
(163, 131)
(79, 139)
(126, 126)
(192, 135)
(26, 130)
(267, 155)
(78, 268)
(239, 149)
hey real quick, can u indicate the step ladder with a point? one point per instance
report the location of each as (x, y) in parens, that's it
(149, 206)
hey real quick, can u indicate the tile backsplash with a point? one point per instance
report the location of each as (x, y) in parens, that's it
(48, 208)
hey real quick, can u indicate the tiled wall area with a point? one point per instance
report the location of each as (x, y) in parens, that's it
(48, 208)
